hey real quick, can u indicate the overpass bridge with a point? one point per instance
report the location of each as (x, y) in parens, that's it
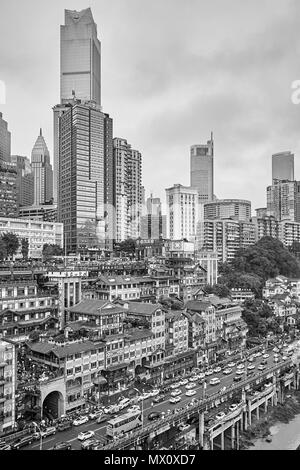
(237, 421)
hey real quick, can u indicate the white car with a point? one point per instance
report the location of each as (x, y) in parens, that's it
(276, 350)
(183, 382)
(251, 367)
(176, 393)
(240, 372)
(220, 415)
(174, 399)
(176, 385)
(241, 366)
(190, 386)
(227, 371)
(133, 408)
(145, 395)
(83, 436)
(79, 421)
(193, 379)
(217, 370)
(154, 392)
(231, 364)
(284, 358)
(214, 381)
(201, 375)
(183, 427)
(258, 354)
(190, 393)
(261, 367)
(265, 356)
(233, 407)
(95, 414)
(276, 359)
(209, 372)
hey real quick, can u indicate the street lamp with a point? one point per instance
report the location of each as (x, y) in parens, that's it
(41, 437)
(142, 406)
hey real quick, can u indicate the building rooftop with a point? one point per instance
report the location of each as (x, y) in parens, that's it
(95, 307)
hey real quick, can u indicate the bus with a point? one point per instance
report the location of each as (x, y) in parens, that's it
(123, 423)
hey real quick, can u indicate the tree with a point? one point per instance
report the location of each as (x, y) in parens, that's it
(11, 242)
(25, 248)
(51, 250)
(34, 336)
(127, 246)
(87, 235)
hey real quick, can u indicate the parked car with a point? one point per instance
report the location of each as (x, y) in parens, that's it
(201, 375)
(251, 367)
(154, 392)
(65, 425)
(81, 420)
(174, 399)
(237, 378)
(261, 367)
(190, 386)
(95, 414)
(240, 372)
(190, 393)
(265, 356)
(209, 372)
(49, 432)
(240, 366)
(233, 407)
(133, 408)
(22, 442)
(194, 378)
(284, 358)
(83, 436)
(231, 364)
(227, 371)
(103, 418)
(220, 415)
(154, 415)
(214, 381)
(217, 370)
(184, 382)
(175, 385)
(176, 393)
(62, 446)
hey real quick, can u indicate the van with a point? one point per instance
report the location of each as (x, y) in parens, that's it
(65, 425)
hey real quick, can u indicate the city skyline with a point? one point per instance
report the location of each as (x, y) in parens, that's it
(218, 85)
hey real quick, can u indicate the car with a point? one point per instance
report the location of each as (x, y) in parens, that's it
(276, 350)
(22, 442)
(261, 367)
(268, 385)
(284, 358)
(240, 372)
(5, 447)
(276, 359)
(190, 393)
(89, 444)
(193, 379)
(227, 371)
(190, 386)
(154, 415)
(95, 414)
(183, 427)
(176, 393)
(65, 425)
(176, 385)
(264, 362)
(133, 408)
(124, 403)
(159, 398)
(201, 375)
(49, 432)
(154, 392)
(217, 370)
(258, 354)
(184, 382)
(220, 415)
(214, 381)
(62, 446)
(209, 372)
(237, 378)
(233, 407)
(265, 356)
(240, 366)
(174, 399)
(84, 435)
(251, 367)
(81, 420)
(102, 418)
(231, 364)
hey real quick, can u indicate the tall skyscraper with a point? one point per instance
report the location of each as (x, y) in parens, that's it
(84, 189)
(42, 172)
(283, 166)
(182, 212)
(153, 224)
(283, 200)
(58, 110)
(238, 209)
(25, 180)
(8, 190)
(5, 138)
(202, 170)
(128, 188)
(80, 57)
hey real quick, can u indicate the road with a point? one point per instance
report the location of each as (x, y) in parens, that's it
(100, 429)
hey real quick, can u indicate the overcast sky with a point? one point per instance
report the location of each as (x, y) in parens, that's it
(172, 71)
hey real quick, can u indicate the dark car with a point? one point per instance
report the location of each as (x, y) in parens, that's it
(65, 425)
(159, 398)
(264, 362)
(62, 446)
(193, 420)
(154, 415)
(237, 378)
(22, 442)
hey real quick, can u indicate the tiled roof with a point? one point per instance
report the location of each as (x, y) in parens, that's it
(94, 307)
(142, 308)
(63, 351)
(198, 305)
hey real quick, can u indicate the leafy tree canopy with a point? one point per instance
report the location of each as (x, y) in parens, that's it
(11, 242)
(51, 250)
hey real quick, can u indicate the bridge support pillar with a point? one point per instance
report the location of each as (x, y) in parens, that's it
(233, 436)
(257, 413)
(245, 421)
(237, 436)
(222, 441)
(249, 416)
(266, 405)
(207, 442)
(201, 430)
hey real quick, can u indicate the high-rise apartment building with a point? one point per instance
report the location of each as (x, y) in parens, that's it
(5, 138)
(8, 385)
(283, 200)
(283, 166)
(80, 57)
(58, 110)
(128, 190)
(202, 170)
(25, 180)
(228, 209)
(42, 172)
(182, 212)
(85, 152)
(153, 224)
(8, 190)
(226, 237)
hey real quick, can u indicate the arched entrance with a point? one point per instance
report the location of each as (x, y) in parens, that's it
(53, 405)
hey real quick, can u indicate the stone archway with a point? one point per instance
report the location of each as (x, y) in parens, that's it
(53, 404)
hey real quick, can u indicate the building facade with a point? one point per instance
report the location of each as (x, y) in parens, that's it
(283, 166)
(8, 379)
(182, 212)
(42, 172)
(25, 180)
(202, 170)
(8, 190)
(228, 209)
(5, 141)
